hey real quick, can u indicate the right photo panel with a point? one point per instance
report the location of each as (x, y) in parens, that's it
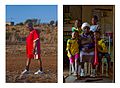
(89, 43)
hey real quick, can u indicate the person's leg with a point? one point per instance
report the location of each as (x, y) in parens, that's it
(40, 64)
(99, 70)
(108, 62)
(76, 63)
(91, 61)
(26, 71)
(81, 67)
(94, 68)
(40, 71)
(93, 71)
(81, 60)
(71, 65)
(76, 66)
(28, 64)
(108, 59)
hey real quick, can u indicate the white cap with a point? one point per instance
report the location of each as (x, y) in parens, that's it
(84, 25)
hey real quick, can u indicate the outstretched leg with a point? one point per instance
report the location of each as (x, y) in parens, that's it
(26, 71)
(40, 71)
(40, 64)
(28, 64)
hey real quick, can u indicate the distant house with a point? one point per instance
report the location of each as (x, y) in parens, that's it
(10, 23)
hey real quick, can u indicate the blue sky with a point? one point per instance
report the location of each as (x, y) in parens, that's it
(19, 13)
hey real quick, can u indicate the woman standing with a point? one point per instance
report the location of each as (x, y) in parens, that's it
(86, 48)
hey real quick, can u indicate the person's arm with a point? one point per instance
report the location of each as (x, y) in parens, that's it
(69, 52)
(99, 48)
(102, 48)
(34, 45)
(68, 48)
(90, 49)
(35, 40)
(91, 45)
(98, 28)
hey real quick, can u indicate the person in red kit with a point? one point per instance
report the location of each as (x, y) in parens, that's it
(32, 49)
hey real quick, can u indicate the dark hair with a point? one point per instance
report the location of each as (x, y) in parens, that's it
(79, 22)
(95, 17)
(30, 24)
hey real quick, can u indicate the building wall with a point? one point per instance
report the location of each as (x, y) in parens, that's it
(104, 13)
(76, 11)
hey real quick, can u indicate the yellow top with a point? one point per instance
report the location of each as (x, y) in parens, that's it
(73, 46)
(102, 47)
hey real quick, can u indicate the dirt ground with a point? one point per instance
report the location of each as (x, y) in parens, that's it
(98, 79)
(15, 64)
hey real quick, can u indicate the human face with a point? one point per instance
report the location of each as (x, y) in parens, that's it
(76, 23)
(73, 34)
(29, 28)
(86, 29)
(94, 22)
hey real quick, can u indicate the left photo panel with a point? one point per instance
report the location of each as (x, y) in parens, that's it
(31, 43)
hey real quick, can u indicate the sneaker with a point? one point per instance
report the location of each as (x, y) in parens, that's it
(38, 72)
(82, 74)
(92, 75)
(25, 72)
(75, 74)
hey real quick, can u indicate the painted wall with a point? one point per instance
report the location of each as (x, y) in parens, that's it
(85, 12)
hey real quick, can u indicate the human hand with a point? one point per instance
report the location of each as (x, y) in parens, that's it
(33, 51)
(71, 55)
(85, 49)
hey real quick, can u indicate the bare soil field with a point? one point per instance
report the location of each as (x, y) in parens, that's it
(15, 64)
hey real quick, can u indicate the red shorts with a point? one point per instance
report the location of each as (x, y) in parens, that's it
(72, 59)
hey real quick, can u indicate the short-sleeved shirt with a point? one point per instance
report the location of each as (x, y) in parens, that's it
(94, 28)
(31, 38)
(73, 46)
(76, 29)
(103, 46)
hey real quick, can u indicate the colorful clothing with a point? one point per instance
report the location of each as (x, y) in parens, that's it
(76, 29)
(86, 42)
(72, 59)
(31, 38)
(86, 46)
(102, 51)
(103, 47)
(72, 45)
(106, 55)
(94, 28)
